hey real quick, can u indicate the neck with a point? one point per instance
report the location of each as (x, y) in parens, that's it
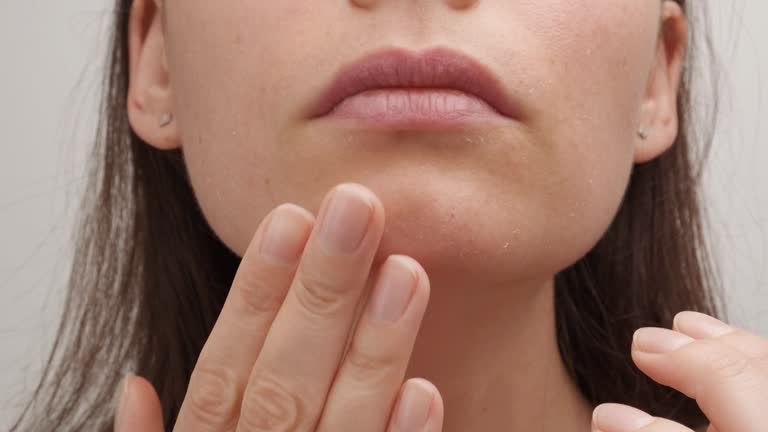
(493, 355)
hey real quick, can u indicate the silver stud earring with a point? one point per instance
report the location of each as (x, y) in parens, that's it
(165, 119)
(642, 131)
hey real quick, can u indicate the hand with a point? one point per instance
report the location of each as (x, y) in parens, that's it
(724, 368)
(275, 359)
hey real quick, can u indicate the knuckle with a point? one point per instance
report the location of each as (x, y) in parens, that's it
(722, 362)
(761, 362)
(256, 295)
(214, 396)
(319, 295)
(728, 365)
(735, 333)
(734, 338)
(269, 406)
(368, 366)
(719, 366)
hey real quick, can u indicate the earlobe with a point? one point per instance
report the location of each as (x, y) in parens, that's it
(659, 111)
(149, 101)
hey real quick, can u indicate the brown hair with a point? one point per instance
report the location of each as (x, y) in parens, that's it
(149, 276)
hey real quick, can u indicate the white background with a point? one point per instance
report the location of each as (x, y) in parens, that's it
(49, 83)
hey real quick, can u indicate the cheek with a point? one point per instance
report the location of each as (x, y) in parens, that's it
(233, 87)
(589, 90)
(598, 59)
(248, 62)
(596, 78)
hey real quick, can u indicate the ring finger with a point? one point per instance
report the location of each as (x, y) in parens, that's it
(372, 371)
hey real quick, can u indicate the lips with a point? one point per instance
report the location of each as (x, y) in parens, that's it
(436, 68)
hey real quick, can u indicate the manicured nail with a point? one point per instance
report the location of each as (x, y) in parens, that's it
(286, 234)
(699, 325)
(413, 406)
(393, 290)
(659, 340)
(122, 407)
(612, 417)
(346, 221)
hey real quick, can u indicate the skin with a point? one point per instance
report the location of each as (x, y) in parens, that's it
(484, 216)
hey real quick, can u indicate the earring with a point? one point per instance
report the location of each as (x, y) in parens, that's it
(642, 131)
(165, 119)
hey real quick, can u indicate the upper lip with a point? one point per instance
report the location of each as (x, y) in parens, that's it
(399, 68)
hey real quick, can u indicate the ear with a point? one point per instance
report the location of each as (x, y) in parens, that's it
(149, 90)
(659, 106)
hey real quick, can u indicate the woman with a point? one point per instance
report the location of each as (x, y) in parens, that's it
(297, 205)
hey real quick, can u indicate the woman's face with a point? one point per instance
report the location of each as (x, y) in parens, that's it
(510, 199)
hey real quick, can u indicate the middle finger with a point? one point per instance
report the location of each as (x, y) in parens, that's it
(291, 377)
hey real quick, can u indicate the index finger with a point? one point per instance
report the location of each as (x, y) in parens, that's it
(213, 398)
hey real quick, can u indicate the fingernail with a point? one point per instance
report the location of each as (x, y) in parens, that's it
(286, 234)
(346, 221)
(699, 325)
(122, 407)
(413, 406)
(393, 290)
(612, 417)
(659, 340)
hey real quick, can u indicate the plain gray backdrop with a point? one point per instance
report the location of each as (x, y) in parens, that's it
(52, 56)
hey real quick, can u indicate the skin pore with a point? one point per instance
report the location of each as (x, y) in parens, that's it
(492, 213)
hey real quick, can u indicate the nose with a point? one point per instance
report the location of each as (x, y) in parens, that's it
(455, 4)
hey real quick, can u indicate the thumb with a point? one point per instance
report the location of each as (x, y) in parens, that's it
(139, 408)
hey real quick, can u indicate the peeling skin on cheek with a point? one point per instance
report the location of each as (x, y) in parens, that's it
(515, 236)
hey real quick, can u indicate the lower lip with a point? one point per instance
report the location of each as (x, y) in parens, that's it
(414, 108)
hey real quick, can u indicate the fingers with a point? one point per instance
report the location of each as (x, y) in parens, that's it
(698, 326)
(372, 371)
(419, 408)
(214, 395)
(612, 417)
(730, 385)
(139, 407)
(293, 373)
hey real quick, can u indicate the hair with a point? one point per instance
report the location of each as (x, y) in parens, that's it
(149, 276)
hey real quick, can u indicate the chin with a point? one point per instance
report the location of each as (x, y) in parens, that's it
(464, 241)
